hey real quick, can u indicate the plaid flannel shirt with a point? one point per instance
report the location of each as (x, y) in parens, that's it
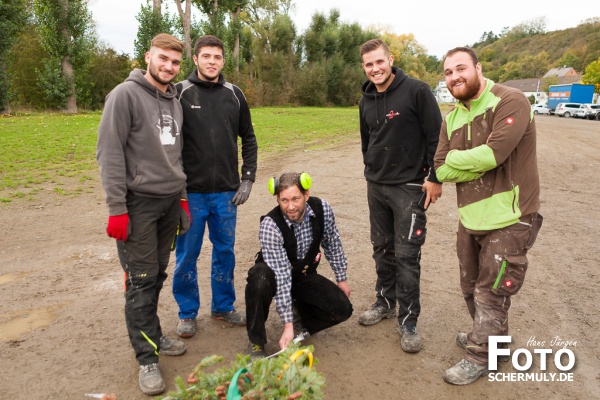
(274, 254)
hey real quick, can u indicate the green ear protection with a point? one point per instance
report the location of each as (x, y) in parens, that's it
(303, 178)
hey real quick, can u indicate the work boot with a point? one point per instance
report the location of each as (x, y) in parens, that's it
(410, 340)
(233, 317)
(186, 328)
(464, 372)
(256, 351)
(462, 339)
(151, 382)
(298, 325)
(375, 314)
(171, 347)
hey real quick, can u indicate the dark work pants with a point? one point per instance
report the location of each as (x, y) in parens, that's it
(492, 269)
(320, 302)
(397, 233)
(144, 258)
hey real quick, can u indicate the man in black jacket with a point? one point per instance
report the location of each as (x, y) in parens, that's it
(215, 114)
(399, 128)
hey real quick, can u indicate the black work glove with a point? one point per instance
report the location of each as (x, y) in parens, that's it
(242, 193)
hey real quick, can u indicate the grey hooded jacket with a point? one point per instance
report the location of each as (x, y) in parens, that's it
(140, 142)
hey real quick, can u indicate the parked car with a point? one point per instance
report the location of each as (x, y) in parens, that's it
(580, 113)
(540, 109)
(589, 110)
(566, 109)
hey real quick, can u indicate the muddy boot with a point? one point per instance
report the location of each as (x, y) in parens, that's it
(410, 340)
(375, 314)
(171, 347)
(151, 382)
(186, 328)
(464, 372)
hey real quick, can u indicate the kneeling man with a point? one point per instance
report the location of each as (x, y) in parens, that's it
(291, 236)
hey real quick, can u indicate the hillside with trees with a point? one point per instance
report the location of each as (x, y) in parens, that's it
(52, 59)
(528, 51)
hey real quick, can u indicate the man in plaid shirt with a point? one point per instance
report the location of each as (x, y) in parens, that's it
(291, 236)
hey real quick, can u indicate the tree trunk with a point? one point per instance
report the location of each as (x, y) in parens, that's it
(156, 6)
(7, 109)
(236, 46)
(65, 64)
(186, 21)
(67, 70)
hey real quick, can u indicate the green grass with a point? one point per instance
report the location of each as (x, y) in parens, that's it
(57, 152)
(284, 128)
(40, 149)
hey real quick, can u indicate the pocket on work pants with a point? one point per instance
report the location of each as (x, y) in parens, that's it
(536, 225)
(418, 230)
(511, 276)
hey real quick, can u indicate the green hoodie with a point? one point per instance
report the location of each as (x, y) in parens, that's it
(489, 151)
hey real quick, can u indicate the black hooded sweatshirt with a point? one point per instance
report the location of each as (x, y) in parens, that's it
(215, 114)
(399, 131)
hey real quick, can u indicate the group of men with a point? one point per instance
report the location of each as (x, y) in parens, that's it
(168, 157)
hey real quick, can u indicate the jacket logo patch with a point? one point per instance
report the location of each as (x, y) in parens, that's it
(510, 120)
(392, 114)
(192, 106)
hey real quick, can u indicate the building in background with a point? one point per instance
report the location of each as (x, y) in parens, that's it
(442, 94)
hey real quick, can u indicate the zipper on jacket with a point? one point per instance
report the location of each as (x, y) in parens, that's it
(469, 131)
(500, 275)
(514, 197)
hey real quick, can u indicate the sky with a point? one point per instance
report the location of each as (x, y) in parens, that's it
(437, 25)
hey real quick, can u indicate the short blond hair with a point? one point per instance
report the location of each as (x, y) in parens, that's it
(167, 42)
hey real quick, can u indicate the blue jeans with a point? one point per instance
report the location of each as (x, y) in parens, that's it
(216, 210)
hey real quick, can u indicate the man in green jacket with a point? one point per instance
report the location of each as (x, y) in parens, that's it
(487, 147)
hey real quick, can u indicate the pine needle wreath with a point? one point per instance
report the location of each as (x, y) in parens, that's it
(267, 378)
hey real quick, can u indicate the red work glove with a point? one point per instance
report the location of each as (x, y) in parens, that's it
(185, 217)
(117, 226)
(186, 207)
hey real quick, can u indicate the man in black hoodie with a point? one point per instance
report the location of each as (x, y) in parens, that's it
(215, 114)
(399, 127)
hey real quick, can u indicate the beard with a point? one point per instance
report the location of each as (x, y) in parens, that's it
(467, 91)
(154, 73)
(298, 215)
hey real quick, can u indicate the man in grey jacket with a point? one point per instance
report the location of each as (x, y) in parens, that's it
(139, 153)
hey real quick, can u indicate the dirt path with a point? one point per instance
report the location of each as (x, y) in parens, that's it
(62, 331)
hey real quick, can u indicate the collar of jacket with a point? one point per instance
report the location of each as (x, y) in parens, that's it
(197, 81)
(369, 90)
(488, 86)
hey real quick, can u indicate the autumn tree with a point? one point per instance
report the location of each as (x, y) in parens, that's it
(592, 75)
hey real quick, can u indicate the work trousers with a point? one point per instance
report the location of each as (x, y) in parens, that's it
(218, 212)
(320, 302)
(397, 233)
(144, 257)
(492, 269)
